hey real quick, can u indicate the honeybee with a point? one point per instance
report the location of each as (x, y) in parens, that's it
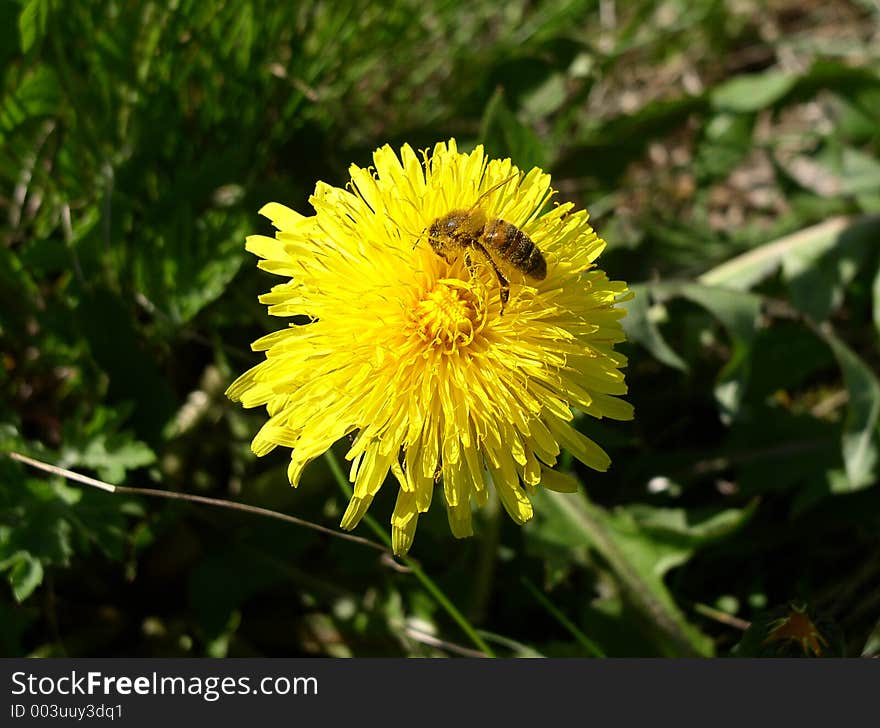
(472, 229)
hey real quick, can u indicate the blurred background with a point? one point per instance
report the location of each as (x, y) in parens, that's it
(729, 152)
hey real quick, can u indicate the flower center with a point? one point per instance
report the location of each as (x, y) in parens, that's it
(449, 316)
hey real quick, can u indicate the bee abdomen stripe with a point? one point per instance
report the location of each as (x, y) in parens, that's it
(514, 246)
(535, 266)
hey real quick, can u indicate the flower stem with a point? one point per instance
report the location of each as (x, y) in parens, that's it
(581, 638)
(417, 570)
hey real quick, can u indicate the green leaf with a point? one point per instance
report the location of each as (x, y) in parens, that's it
(640, 327)
(51, 521)
(244, 33)
(17, 291)
(817, 262)
(875, 290)
(106, 322)
(859, 441)
(100, 445)
(546, 98)
(111, 457)
(786, 356)
(668, 537)
(727, 140)
(38, 94)
(738, 311)
(748, 269)
(819, 274)
(25, 575)
(188, 265)
(859, 172)
(752, 92)
(506, 136)
(636, 556)
(41, 535)
(692, 527)
(856, 119)
(32, 22)
(775, 451)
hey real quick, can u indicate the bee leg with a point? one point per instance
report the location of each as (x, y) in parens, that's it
(502, 281)
(439, 249)
(469, 263)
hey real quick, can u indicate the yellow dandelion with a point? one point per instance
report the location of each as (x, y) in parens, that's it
(409, 343)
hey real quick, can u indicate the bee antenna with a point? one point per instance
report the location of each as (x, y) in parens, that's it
(412, 204)
(419, 238)
(408, 232)
(495, 187)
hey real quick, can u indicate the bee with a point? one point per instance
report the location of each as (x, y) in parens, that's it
(472, 229)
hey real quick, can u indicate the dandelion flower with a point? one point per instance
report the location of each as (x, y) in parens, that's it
(415, 354)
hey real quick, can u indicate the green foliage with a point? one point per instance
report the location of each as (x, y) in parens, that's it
(505, 136)
(730, 156)
(640, 544)
(32, 22)
(752, 92)
(859, 438)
